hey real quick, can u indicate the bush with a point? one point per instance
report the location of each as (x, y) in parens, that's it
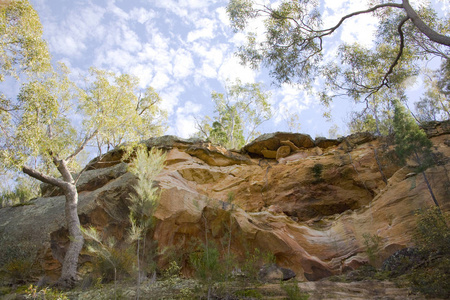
(17, 260)
(207, 263)
(120, 259)
(293, 291)
(34, 292)
(432, 238)
(432, 233)
(317, 172)
(372, 243)
(254, 261)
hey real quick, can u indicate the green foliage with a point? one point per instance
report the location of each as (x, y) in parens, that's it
(317, 172)
(113, 105)
(24, 190)
(435, 104)
(432, 237)
(253, 262)
(432, 234)
(111, 262)
(146, 166)
(292, 43)
(239, 112)
(248, 294)
(22, 48)
(172, 274)
(207, 263)
(377, 119)
(35, 293)
(293, 291)
(410, 140)
(433, 279)
(372, 243)
(17, 260)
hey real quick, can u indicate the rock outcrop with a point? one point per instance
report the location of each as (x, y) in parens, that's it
(308, 202)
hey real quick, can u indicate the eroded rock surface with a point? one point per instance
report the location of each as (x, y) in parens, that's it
(309, 203)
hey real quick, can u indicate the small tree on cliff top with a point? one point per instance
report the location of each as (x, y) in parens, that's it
(412, 142)
(239, 112)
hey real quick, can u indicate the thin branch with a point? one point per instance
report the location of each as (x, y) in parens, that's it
(372, 9)
(81, 147)
(384, 81)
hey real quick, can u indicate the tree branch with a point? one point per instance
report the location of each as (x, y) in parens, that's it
(81, 147)
(61, 165)
(372, 9)
(384, 81)
(43, 177)
(424, 28)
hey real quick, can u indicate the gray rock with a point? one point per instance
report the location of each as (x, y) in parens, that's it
(275, 273)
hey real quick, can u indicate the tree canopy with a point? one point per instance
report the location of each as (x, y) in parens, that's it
(239, 111)
(293, 43)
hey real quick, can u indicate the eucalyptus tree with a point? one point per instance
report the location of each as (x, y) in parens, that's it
(294, 40)
(22, 52)
(411, 142)
(435, 104)
(22, 49)
(55, 120)
(238, 113)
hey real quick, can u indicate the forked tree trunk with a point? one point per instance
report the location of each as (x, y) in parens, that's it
(69, 268)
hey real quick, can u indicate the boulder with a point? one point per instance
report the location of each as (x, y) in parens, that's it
(274, 273)
(272, 141)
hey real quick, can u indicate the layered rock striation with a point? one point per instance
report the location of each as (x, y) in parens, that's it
(309, 202)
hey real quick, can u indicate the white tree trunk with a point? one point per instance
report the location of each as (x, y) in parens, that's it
(69, 268)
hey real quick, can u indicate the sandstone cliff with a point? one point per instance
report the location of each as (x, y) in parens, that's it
(309, 202)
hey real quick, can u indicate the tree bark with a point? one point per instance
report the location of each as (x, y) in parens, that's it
(69, 268)
(70, 264)
(424, 28)
(430, 190)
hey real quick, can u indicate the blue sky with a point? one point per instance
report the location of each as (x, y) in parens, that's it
(184, 49)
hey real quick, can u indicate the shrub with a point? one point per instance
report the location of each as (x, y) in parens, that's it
(372, 243)
(17, 260)
(293, 291)
(248, 294)
(432, 238)
(317, 172)
(254, 261)
(432, 234)
(207, 263)
(34, 293)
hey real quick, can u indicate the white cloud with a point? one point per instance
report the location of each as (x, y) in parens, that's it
(359, 28)
(205, 30)
(210, 58)
(185, 119)
(144, 73)
(231, 69)
(160, 81)
(293, 100)
(222, 16)
(118, 12)
(183, 64)
(170, 97)
(142, 15)
(130, 40)
(70, 37)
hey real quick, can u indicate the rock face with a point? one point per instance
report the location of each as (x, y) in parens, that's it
(307, 202)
